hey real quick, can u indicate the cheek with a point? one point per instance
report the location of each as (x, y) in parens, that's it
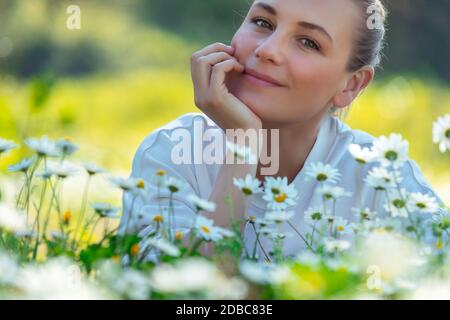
(315, 79)
(244, 44)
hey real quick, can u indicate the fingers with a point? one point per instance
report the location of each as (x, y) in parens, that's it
(205, 65)
(220, 70)
(215, 47)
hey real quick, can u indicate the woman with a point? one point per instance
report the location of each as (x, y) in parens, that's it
(291, 65)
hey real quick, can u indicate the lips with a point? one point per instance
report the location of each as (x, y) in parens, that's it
(263, 77)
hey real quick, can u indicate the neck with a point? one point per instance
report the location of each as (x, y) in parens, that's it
(295, 144)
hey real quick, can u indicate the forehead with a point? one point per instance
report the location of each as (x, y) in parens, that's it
(338, 17)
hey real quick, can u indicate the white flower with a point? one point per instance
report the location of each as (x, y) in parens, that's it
(8, 269)
(201, 204)
(62, 169)
(242, 154)
(361, 155)
(313, 215)
(92, 169)
(128, 184)
(422, 203)
(55, 280)
(22, 166)
(333, 246)
(263, 273)
(105, 210)
(6, 146)
(66, 147)
(174, 185)
(160, 244)
(206, 229)
(279, 216)
(278, 194)
(323, 172)
(11, 219)
(364, 214)
(397, 203)
(341, 226)
(249, 185)
(132, 284)
(195, 276)
(381, 179)
(332, 192)
(392, 150)
(43, 146)
(441, 132)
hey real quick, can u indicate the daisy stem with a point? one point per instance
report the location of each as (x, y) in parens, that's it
(82, 210)
(36, 223)
(261, 246)
(171, 220)
(93, 230)
(300, 235)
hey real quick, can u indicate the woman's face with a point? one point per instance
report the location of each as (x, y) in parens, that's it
(305, 47)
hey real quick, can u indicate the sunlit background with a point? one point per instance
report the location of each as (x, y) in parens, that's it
(126, 72)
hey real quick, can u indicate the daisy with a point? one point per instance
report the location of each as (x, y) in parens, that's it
(11, 219)
(66, 147)
(397, 203)
(6, 146)
(422, 203)
(249, 185)
(43, 146)
(333, 246)
(322, 173)
(174, 185)
(160, 244)
(333, 192)
(441, 133)
(381, 179)
(278, 194)
(62, 169)
(243, 154)
(361, 155)
(313, 215)
(279, 216)
(341, 226)
(392, 150)
(364, 214)
(22, 166)
(92, 169)
(200, 204)
(105, 210)
(126, 184)
(206, 229)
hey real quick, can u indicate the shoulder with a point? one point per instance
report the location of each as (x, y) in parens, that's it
(414, 179)
(353, 136)
(162, 135)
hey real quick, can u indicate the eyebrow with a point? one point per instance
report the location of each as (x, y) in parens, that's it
(304, 24)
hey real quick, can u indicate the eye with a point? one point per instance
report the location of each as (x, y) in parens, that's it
(264, 23)
(310, 44)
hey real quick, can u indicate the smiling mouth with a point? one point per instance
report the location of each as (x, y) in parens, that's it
(254, 80)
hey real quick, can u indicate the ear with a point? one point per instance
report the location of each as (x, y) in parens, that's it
(357, 82)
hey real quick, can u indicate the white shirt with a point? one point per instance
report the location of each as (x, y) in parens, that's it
(331, 147)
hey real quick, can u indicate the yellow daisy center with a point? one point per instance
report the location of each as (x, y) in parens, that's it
(205, 229)
(158, 218)
(140, 184)
(134, 250)
(161, 173)
(280, 198)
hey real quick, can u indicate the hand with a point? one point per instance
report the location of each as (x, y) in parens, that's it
(208, 69)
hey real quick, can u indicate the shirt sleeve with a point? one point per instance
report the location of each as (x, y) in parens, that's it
(154, 154)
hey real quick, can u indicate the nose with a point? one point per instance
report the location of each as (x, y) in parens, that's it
(270, 49)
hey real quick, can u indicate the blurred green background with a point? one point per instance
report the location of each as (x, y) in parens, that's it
(126, 72)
